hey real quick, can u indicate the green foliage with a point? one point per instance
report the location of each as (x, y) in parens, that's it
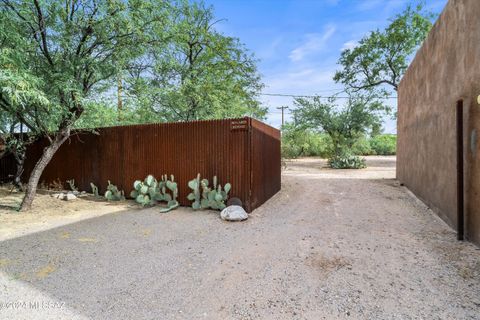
(57, 62)
(344, 124)
(301, 142)
(317, 144)
(18, 89)
(94, 189)
(381, 58)
(60, 55)
(198, 73)
(385, 144)
(150, 192)
(204, 197)
(113, 194)
(362, 146)
(346, 161)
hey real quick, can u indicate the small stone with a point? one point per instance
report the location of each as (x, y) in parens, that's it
(234, 213)
(60, 195)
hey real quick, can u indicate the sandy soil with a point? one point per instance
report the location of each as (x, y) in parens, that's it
(331, 245)
(48, 212)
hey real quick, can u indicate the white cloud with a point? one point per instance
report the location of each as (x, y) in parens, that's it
(315, 42)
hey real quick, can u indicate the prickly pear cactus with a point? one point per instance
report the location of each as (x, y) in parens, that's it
(71, 184)
(145, 192)
(195, 194)
(113, 194)
(213, 198)
(171, 199)
(94, 189)
(150, 191)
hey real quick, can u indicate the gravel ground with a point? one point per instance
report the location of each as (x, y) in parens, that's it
(331, 245)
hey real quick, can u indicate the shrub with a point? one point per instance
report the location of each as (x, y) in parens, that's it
(347, 161)
(362, 147)
(384, 145)
(300, 142)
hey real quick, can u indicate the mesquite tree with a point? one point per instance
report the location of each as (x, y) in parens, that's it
(68, 50)
(381, 58)
(344, 122)
(18, 124)
(199, 73)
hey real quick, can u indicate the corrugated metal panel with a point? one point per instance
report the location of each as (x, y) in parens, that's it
(7, 167)
(229, 149)
(265, 164)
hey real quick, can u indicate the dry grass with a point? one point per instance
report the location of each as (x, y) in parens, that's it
(328, 264)
(48, 211)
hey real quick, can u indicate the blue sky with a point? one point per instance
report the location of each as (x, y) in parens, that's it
(298, 42)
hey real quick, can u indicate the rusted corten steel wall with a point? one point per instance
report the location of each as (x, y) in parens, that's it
(7, 167)
(266, 162)
(446, 70)
(244, 152)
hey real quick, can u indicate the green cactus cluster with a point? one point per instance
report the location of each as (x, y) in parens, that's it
(113, 194)
(205, 197)
(71, 184)
(94, 189)
(150, 191)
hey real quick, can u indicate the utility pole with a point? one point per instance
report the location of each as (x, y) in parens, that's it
(119, 97)
(283, 115)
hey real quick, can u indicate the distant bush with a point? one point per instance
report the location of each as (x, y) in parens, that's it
(384, 144)
(362, 147)
(347, 161)
(305, 143)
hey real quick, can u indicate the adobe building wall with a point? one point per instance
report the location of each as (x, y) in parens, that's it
(445, 70)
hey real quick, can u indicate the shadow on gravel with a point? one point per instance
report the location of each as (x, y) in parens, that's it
(113, 265)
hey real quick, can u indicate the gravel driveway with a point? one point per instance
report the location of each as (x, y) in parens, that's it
(330, 245)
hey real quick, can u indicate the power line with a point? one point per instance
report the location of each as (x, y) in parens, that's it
(312, 96)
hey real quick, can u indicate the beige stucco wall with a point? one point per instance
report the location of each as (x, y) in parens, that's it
(445, 70)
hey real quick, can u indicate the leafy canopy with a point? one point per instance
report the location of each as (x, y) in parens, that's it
(381, 58)
(344, 124)
(198, 74)
(63, 52)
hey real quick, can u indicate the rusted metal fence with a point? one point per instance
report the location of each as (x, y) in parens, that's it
(244, 152)
(7, 167)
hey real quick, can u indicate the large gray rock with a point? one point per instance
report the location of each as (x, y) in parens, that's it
(70, 196)
(234, 213)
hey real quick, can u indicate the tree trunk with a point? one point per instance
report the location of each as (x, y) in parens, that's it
(41, 164)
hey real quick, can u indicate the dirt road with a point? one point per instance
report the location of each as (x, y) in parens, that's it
(330, 245)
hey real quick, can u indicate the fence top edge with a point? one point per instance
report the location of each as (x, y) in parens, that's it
(179, 123)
